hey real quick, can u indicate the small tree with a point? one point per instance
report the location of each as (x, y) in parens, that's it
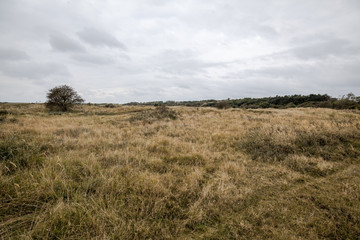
(62, 98)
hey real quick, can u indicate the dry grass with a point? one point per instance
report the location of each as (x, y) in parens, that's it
(111, 173)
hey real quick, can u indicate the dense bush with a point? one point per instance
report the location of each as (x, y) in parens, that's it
(62, 98)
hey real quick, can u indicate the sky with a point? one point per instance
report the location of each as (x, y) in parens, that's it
(119, 51)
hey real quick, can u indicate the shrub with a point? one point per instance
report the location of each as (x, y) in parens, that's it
(290, 105)
(109, 105)
(62, 98)
(160, 112)
(3, 112)
(222, 105)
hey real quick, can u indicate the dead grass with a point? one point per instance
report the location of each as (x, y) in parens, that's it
(208, 174)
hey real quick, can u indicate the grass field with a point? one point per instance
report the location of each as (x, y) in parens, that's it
(185, 173)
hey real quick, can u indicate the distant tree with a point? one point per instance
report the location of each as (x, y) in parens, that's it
(62, 98)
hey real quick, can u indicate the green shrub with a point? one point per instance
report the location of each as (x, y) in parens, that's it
(222, 105)
(290, 105)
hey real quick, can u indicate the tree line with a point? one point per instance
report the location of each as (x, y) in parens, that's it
(349, 101)
(63, 98)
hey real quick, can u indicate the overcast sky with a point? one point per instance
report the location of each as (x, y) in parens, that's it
(145, 50)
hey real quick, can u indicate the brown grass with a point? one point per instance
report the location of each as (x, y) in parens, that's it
(126, 173)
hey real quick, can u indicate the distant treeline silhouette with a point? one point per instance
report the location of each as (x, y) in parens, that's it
(349, 101)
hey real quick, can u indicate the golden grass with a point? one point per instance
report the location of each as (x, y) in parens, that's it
(126, 173)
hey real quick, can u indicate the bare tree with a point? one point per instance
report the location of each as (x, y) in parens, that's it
(62, 98)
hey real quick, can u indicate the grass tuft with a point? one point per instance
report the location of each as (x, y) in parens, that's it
(159, 113)
(18, 154)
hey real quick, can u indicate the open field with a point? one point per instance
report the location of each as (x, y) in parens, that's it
(195, 173)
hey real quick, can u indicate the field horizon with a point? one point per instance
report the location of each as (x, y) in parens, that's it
(145, 172)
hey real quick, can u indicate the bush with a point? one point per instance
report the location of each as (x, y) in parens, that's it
(109, 105)
(3, 112)
(222, 105)
(160, 112)
(62, 98)
(290, 105)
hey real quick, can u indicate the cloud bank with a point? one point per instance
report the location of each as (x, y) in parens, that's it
(123, 51)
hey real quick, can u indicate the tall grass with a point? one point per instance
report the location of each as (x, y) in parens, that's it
(137, 173)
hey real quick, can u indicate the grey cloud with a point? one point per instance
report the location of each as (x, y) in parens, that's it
(287, 72)
(63, 43)
(324, 49)
(300, 78)
(183, 86)
(97, 37)
(171, 54)
(13, 55)
(316, 48)
(184, 67)
(34, 71)
(266, 31)
(354, 3)
(97, 60)
(183, 62)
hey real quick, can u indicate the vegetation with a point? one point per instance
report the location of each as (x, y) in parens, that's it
(222, 105)
(137, 172)
(62, 98)
(350, 101)
(149, 116)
